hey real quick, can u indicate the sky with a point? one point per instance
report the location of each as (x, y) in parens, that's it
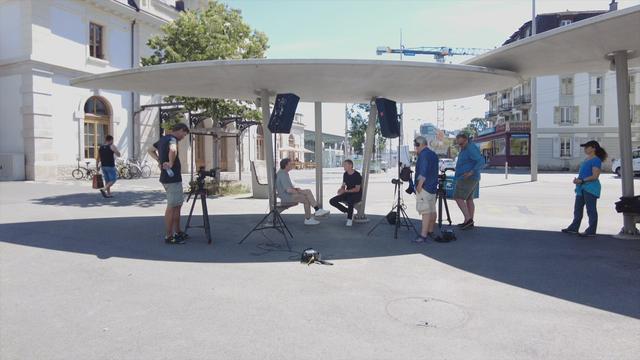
(352, 29)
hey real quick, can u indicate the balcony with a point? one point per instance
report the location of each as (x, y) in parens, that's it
(522, 100)
(506, 106)
(490, 114)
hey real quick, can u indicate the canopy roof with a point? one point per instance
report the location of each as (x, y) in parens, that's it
(580, 47)
(312, 80)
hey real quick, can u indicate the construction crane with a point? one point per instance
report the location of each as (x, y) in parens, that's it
(439, 53)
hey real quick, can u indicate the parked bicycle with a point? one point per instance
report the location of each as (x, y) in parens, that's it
(83, 172)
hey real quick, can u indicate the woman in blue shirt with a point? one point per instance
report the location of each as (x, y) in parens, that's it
(587, 189)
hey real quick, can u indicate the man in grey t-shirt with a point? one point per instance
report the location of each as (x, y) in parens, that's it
(290, 194)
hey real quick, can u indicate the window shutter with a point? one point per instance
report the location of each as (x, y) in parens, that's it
(592, 119)
(556, 148)
(576, 112)
(556, 115)
(594, 84)
(575, 149)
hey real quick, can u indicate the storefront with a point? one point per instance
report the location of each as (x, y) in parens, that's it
(505, 143)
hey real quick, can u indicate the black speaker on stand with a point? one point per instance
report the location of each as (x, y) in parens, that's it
(284, 111)
(390, 128)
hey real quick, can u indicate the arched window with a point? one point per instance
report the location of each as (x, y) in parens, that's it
(259, 143)
(97, 125)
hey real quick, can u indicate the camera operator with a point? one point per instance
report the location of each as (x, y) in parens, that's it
(426, 187)
(468, 166)
(165, 151)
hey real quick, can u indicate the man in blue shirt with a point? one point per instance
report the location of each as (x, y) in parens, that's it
(426, 187)
(470, 162)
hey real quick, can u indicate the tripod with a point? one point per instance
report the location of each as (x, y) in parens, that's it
(400, 215)
(199, 192)
(441, 195)
(273, 220)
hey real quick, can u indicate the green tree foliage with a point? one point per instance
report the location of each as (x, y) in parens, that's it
(214, 33)
(358, 116)
(475, 126)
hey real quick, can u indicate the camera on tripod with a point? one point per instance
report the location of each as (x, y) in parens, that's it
(198, 184)
(396, 181)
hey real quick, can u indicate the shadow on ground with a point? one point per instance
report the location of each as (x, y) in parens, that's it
(142, 199)
(602, 272)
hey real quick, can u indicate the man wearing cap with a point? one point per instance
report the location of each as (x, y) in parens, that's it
(426, 180)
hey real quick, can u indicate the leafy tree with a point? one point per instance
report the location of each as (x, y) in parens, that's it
(214, 33)
(475, 126)
(358, 116)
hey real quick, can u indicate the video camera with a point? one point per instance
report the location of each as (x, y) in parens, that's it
(202, 173)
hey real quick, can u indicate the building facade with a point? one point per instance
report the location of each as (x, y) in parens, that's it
(571, 109)
(49, 126)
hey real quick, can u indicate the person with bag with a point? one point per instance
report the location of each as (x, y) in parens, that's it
(587, 189)
(107, 162)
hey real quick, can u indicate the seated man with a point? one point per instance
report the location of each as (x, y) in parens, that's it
(290, 194)
(350, 192)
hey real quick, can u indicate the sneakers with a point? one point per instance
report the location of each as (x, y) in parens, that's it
(349, 222)
(173, 240)
(311, 221)
(321, 212)
(104, 193)
(419, 239)
(569, 231)
(586, 234)
(466, 225)
(181, 235)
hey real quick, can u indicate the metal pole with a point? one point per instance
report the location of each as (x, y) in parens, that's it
(533, 111)
(624, 128)
(268, 144)
(318, 151)
(369, 143)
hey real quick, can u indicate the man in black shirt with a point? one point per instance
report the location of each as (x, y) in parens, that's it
(165, 151)
(350, 193)
(107, 162)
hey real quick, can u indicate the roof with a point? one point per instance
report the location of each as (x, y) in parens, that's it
(312, 80)
(580, 47)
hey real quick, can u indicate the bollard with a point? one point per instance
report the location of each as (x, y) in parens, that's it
(506, 170)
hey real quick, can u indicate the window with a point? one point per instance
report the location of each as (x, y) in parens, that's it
(596, 115)
(565, 22)
(499, 146)
(566, 115)
(96, 125)
(632, 84)
(565, 147)
(96, 43)
(566, 86)
(598, 85)
(519, 145)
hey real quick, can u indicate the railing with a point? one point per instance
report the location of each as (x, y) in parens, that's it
(490, 113)
(523, 99)
(506, 106)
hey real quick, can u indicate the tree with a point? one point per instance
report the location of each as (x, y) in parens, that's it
(358, 116)
(475, 126)
(215, 33)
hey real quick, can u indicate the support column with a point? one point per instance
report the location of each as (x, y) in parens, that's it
(318, 151)
(369, 143)
(268, 144)
(624, 128)
(533, 132)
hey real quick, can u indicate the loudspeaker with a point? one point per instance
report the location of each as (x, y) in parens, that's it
(388, 118)
(284, 110)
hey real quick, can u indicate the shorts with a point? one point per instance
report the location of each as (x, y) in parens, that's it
(175, 194)
(425, 202)
(109, 174)
(465, 188)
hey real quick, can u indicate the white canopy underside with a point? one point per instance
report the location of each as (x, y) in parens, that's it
(579, 47)
(312, 80)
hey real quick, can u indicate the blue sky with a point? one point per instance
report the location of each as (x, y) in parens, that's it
(352, 29)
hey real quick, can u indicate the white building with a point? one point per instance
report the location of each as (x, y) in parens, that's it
(47, 125)
(571, 109)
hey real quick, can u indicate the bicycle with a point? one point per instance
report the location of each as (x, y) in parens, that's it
(86, 172)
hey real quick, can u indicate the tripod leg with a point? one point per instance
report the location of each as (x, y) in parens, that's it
(255, 228)
(193, 205)
(408, 222)
(205, 217)
(446, 207)
(398, 220)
